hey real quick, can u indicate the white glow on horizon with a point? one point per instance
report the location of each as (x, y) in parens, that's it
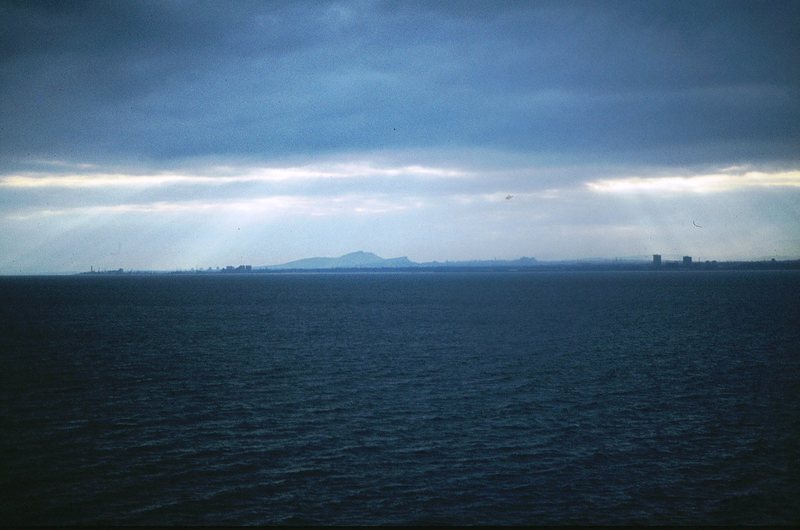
(272, 206)
(710, 183)
(223, 175)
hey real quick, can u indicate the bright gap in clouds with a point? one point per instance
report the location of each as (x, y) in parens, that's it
(263, 207)
(704, 183)
(222, 175)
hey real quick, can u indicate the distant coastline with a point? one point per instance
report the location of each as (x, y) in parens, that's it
(367, 262)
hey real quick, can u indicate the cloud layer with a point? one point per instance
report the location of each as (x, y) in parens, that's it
(164, 81)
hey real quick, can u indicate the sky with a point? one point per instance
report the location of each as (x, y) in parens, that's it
(172, 135)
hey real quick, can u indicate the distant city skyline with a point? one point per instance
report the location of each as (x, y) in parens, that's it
(162, 136)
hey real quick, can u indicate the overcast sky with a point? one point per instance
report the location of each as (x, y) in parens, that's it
(173, 135)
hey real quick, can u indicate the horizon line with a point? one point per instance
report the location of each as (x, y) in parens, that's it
(667, 262)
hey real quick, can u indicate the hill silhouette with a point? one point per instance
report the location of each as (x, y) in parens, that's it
(353, 260)
(368, 260)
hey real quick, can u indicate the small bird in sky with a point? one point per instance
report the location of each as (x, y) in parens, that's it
(509, 197)
(696, 225)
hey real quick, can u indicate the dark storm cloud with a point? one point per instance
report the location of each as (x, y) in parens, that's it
(639, 82)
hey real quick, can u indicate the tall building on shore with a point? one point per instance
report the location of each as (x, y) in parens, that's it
(687, 261)
(656, 260)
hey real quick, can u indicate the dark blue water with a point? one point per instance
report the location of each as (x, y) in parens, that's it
(401, 398)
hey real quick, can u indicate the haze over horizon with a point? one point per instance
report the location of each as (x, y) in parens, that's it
(174, 135)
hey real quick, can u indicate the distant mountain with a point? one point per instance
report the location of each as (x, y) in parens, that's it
(368, 260)
(354, 260)
(519, 262)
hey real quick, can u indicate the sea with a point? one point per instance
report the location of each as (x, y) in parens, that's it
(649, 397)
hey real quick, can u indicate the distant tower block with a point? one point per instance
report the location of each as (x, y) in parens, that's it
(687, 261)
(656, 260)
